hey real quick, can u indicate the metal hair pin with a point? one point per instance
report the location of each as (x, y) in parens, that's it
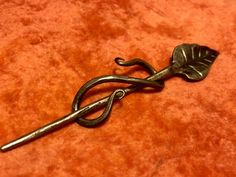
(191, 61)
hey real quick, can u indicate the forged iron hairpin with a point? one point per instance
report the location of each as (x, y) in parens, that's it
(191, 61)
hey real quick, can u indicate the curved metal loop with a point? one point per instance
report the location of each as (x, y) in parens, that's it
(112, 78)
(136, 61)
(117, 94)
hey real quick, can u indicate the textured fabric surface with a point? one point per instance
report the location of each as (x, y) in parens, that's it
(48, 49)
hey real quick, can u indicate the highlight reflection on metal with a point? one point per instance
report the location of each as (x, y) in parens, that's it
(191, 61)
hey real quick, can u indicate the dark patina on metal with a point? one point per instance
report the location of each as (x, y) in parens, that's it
(190, 61)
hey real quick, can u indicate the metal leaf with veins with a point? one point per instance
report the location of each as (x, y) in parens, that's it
(193, 61)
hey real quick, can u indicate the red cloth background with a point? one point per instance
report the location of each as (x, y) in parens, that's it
(48, 49)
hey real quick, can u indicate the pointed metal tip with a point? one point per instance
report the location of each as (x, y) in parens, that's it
(3, 148)
(7, 147)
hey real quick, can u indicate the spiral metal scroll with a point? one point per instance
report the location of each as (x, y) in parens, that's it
(118, 93)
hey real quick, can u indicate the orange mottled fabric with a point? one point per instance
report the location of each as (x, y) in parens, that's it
(49, 49)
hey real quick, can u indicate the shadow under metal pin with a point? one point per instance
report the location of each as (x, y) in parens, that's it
(191, 61)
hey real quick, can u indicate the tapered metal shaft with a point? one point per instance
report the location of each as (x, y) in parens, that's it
(70, 118)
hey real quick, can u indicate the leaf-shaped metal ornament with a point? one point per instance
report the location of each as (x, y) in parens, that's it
(193, 61)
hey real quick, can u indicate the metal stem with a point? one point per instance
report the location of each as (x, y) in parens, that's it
(163, 74)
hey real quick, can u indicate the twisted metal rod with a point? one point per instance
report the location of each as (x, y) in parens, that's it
(113, 78)
(155, 80)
